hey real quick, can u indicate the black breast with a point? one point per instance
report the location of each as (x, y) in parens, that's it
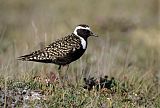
(71, 57)
(77, 54)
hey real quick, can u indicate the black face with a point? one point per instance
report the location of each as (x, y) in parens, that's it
(84, 33)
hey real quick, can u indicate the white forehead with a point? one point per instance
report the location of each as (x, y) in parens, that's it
(80, 27)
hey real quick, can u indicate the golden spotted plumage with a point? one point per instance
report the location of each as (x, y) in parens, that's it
(60, 49)
(65, 50)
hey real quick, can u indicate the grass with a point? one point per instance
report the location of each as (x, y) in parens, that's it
(127, 49)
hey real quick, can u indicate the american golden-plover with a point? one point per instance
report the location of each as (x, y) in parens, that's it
(63, 51)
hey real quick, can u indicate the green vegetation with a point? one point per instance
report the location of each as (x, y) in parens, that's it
(127, 49)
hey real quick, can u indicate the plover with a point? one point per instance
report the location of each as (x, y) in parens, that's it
(65, 50)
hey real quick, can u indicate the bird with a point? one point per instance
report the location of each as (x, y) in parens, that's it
(63, 51)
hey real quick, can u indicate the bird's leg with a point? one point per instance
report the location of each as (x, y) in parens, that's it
(60, 76)
(66, 74)
(59, 68)
(63, 76)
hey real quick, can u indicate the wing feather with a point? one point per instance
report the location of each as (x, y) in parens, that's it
(55, 52)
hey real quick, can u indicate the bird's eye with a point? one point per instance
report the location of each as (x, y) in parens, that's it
(87, 31)
(83, 32)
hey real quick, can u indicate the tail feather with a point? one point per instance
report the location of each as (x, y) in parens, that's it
(28, 57)
(37, 56)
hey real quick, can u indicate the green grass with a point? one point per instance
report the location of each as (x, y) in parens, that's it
(126, 93)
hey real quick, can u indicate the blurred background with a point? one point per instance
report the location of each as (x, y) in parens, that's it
(129, 36)
(127, 50)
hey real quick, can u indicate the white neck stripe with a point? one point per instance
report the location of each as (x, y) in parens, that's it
(83, 42)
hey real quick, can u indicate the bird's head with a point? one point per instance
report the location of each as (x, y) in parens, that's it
(83, 31)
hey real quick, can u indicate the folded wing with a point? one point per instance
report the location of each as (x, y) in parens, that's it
(57, 52)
